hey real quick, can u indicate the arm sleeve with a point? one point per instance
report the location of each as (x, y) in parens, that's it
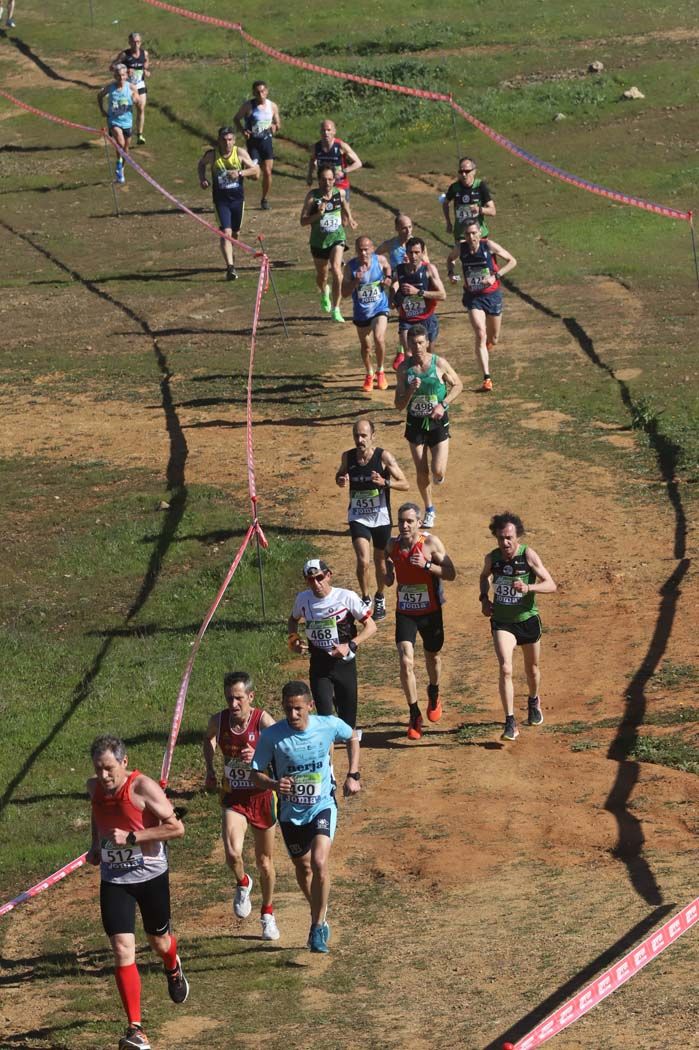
(341, 729)
(355, 607)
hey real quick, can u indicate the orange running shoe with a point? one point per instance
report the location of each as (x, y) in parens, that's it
(487, 385)
(368, 384)
(398, 360)
(415, 727)
(434, 704)
(381, 381)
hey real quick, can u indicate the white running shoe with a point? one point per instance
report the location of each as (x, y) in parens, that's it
(242, 905)
(429, 519)
(270, 930)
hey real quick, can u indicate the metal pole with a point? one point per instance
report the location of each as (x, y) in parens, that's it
(456, 136)
(259, 569)
(111, 177)
(694, 246)
(260, 239)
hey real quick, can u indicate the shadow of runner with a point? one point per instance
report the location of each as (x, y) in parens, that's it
(175, 478)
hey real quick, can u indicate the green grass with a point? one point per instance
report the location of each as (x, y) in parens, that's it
(673, 750)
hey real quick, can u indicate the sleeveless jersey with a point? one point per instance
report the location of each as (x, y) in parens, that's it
(135, 67)
(476, 266)
(415, 308)
(259, 119)
(431, 391)
(236, 784)
(335, 158)
(226, 180)
(329, 230)
(396, 253)
(120, 108)
(509, 606)
(419, 592)
(126, 864)
(467, 201)
(369, 504)
(370, 298)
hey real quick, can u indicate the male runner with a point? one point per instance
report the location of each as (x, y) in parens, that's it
(236, 731)
(329, 615)
(482, 295)
(370, 473)
(472, 200)
(298, 749)
(135, 58)
(122, 97)
(229, 166)
(395, 250)
(333, 151)
(366, 278)
(327, 211)
(518, 575)
(259, 121)
(418, 562)
(417, 288)
(132, 819)
(426, 385)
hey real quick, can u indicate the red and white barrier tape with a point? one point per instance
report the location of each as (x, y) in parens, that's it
(611, 979)
(27, 895)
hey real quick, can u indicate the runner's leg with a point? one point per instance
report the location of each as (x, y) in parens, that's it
(439, 455)
(380, 328)
(304, 874)
(422, 471)
(321, 266)
(505, 645)
(320, 881)
(264, 846)
(492, 329)
(406, 655)
(380, 568)
(362, 550)
(140, 114)
(266, 166)
(477, 319)
(433, 663)
(336, 273)
(531, 655)
(233, 828)
(364, 334)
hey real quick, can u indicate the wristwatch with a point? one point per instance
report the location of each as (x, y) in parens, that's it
(131, 838)
(428, 564)
(354, 776)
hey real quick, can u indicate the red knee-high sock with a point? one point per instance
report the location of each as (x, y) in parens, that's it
(128, 981)
(170, 956)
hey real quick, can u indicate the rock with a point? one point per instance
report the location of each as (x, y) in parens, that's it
(560, 116)
(633, 92)
(163, 505)
(595, 67)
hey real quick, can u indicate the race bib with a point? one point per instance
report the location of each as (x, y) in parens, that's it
(366, 499)
(476, 282)
(136, 76)
(323, 633)
(505, 594)
(227, 180)
(413, 305)
(307, 788)
(369, 293)
(261, 129)
(121, 858)
(237, 775)
(422, 405)
(330, 221)
(466, 211)
(413, 597)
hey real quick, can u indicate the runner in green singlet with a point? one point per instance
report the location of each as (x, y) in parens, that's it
(327, 212)
(472, 200)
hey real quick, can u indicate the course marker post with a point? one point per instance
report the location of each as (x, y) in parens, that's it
(694, 246)
(274, 288)
(110, 176)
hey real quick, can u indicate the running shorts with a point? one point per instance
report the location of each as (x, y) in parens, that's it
(429, 625)
(430, 324)
(118, 905)
(526, 632)
(490, 304)
(259, 808)
(438, 432)
(379, 536)
(229, 213)
(298, 838)
(261, 149)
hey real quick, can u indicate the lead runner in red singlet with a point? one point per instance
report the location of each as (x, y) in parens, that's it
(235, 731)
(132, 819)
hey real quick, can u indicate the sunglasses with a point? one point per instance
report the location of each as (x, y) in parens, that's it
(466, 171)
(317, 579)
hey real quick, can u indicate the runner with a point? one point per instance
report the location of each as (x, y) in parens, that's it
(418, 562)
(370, 473)
(135, 58)
(417, 288)
(236, 731)
(394, 249)
(518, 575)
(338, 154)
(426, 385)
(329, 614)
(132, 819)
(259, 121)
(298, 749)
(366, 278)
(472, 200)
(122, 97)
(482, 296)
(229, 166)
(327, 212)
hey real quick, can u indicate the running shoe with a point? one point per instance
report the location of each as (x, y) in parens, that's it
(140, 140)
(434, 704)
(398, 360)
(379, 607)
(489, 346)
(242, 905)
(270, 930)
(134, 1037)
(316, 939)
(487, 386)
(536, 715)
(429, 518)
(415, 727)
(325, 304)
(325, 927)
(510, 732)
(368, 384)
(177, 984)
(231, 274)
(336, 314)
(381, 381)
(264, 204)
(119, 176)
(11, 24)
(366, 601)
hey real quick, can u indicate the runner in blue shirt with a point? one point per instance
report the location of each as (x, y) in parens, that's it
(366, 278)
(299, 749)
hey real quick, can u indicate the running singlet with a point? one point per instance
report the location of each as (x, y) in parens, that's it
(467, 201)
(329, 230)
(226, 176)
(419, 592)
(369, 503)
(329, 621)
(370, 298)
(259, 119)
(135, 67)
(415, 308)
(120, 108)
(396, 253)
(236, 785)
(335, 158)
(509, 606)
(126, 864)
(303, 755)
(431, 391)
(477, 266)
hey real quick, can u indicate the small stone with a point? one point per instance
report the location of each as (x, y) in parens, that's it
(560, 116)
(163, 505)
(595, 67)
(633, 92)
